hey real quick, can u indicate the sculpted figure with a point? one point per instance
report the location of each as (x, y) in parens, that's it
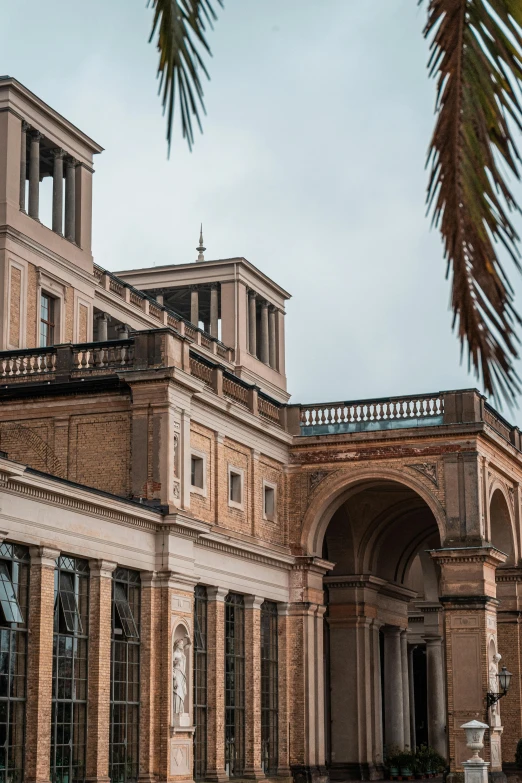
(179, 676)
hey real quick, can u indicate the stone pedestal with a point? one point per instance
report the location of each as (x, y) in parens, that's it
(475, 771)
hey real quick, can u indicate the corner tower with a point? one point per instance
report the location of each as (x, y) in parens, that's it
(38, 143)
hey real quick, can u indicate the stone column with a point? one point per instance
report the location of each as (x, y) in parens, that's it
(214, 309)
(70, 199)
(123, 331)
(264, 354)
(23, 163)
(272, 345)
(413, 735)
(216, 685)
(149, 673)
(160, 299)
(58, 191)
(436, 701)
(98, 704)
(393, 698)
(102, 321)
(194, 305)
(253, 688)
(40, 664)
(405, 688)
(34, 175)
(252, 324)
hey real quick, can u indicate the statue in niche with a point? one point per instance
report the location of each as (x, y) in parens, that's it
(179, 675)
(493, 683)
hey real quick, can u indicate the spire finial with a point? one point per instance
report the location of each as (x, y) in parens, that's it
(200, 248)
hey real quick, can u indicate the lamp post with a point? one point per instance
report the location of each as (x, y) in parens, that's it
(504, 681)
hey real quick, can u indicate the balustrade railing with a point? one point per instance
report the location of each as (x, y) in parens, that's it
(201, 371)
(268, 410)
(136, 297)
(235, 392)
(18, 365)
(103, 356)
(381, 410)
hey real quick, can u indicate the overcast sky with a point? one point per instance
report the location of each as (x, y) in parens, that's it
(311, 166)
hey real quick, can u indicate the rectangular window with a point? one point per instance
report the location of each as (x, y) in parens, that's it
(125, 677)
(200, 682)
(70, 665)
(14, 561)
(269, 688)
(269, 501)
(234, 685)
(197, 472)
(235, 487)
(47, 319)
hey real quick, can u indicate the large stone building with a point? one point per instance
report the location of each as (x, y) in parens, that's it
(197, 578)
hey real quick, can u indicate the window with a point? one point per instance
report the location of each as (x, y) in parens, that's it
(198, 477)
(125, 677)
(234, 685)
(200, 682)
(47, 319)
(235, 487)
(269, 688)
(70, 664)
(269, 501)
(14, 561)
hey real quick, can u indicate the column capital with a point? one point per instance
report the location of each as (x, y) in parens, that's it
(216, 594)
(102, 568)
(253, 601)
(283, 610)
(193, 287)
(252, 294)
(3, 535)
(44, 555)
(36, 135)
(176, 581)
(57, 152)
(25, 126)
(102, 317)
(213, 286)
(392, 630)
(71, 162)
(264, 304)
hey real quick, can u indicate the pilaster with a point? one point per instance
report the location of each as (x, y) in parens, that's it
(285, 661)
(149, 674)
(40, 664)
(253, 688)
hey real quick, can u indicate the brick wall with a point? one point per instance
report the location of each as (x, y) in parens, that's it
(99, 452)
(32, 336)
(203, 440)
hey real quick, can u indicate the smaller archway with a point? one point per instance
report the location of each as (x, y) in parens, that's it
(501, 525)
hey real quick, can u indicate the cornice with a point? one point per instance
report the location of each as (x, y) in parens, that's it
(255, 554)
(51, 492)
(30, 244)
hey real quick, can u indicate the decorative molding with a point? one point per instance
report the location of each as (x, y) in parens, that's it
(428, 469)
(315, 478)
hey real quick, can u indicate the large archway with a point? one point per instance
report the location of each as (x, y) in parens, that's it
(377, 533)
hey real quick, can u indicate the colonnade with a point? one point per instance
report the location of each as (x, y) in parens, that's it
(63, 215)
(264, 344)
(213, 326)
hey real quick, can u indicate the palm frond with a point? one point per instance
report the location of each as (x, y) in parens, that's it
(181, 26)
(476, 55)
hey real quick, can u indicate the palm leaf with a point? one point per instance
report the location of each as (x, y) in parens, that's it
(180, 26)
(476, 54)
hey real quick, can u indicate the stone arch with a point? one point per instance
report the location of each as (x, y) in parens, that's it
(335, 490)
(501, 521)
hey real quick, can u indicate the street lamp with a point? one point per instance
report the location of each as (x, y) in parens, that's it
(504, 681)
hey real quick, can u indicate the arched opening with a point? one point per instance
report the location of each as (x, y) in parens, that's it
(501, 526)
(382, 604)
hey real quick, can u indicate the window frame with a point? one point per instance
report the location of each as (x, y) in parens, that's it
(51, 323)
(269, 642)
(199, 455)
(271, 486)
(235, 711)
(13, 665)
(235, 471)
(70, 671)
(124, 721)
